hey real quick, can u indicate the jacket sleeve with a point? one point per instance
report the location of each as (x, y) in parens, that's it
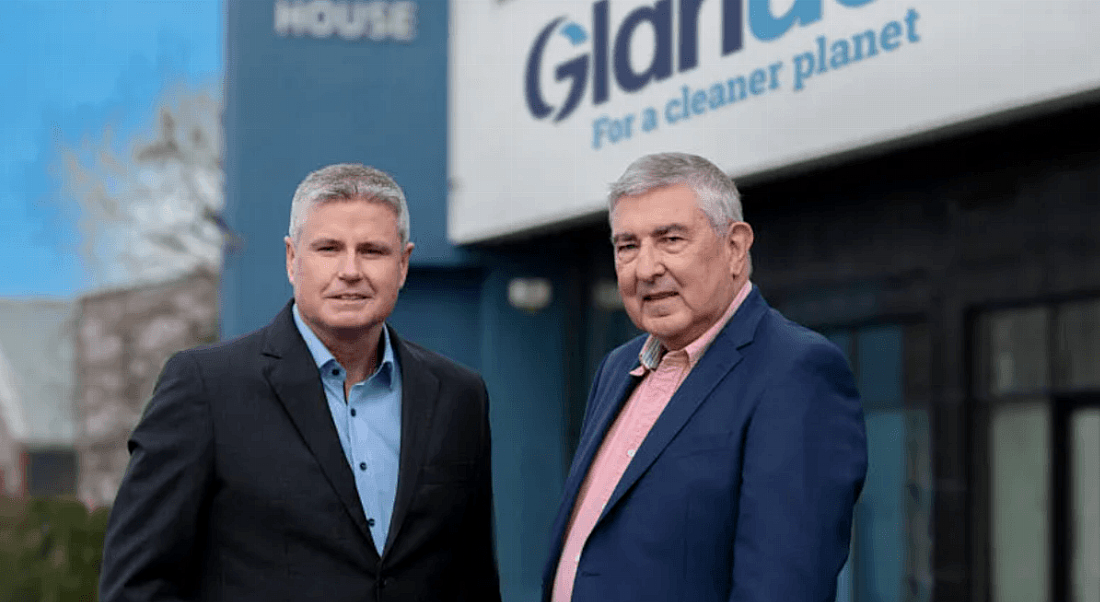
(805, 460)
(150, 548)
(484, 575)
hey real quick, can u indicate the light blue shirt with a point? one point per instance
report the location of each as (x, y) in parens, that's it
(369, 425)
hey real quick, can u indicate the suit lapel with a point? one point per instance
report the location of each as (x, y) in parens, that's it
(605, 415)
(606, 408)
(722, 357)
(293, 375)
(419, 393)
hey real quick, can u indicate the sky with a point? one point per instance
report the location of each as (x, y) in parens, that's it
(70, 69)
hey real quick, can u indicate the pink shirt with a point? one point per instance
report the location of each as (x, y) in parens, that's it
(662, 376)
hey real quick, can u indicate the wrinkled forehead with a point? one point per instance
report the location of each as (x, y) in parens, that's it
(655, 210)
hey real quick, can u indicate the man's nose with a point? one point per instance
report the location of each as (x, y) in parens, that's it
(349, 266)
(650, 264)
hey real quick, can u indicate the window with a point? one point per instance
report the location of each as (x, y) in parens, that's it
(1037, 381)
(892, 533)
(51, 472)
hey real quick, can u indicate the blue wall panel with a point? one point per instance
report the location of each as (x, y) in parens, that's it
(524, 368)
(294, 104)
(441, 310)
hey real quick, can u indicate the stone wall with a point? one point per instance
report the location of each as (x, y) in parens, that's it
(123, 339)
(11, 477)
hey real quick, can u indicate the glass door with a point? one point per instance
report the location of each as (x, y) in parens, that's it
(1038, 387)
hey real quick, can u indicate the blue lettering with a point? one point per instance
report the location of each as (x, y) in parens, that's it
(756, 81)
(689, 34)
(737, 88)
(610, 55)
(888, 38)
(535, 103)
(660, 18)
(670, 115)
(840, 56)
(599, 52)
(717, 96)
(613, 130)
(699, 102)
(861, 39)
(803, 68)
(577, 70)
(911, 24)
(773, 69)
(731, 26)
(767, 27)
(599, 129)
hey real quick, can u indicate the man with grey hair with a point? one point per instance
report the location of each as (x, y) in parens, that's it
(722, 453)
(321, 457)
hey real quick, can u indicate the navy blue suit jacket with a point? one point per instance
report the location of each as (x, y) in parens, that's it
(743, 489)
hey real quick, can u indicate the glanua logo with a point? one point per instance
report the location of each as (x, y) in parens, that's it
(603, 55)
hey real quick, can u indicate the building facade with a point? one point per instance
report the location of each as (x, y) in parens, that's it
(920, 177)
(37, 423)
(123, 337)
(11, 422)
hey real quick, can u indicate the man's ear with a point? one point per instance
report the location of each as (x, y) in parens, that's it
(289, 259)
(405, 263)
(739, 237)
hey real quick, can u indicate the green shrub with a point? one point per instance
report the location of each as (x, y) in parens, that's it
(50, 550)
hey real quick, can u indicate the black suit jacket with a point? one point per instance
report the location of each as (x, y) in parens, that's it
(238, 488)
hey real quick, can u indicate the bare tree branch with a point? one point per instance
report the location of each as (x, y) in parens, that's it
(154, 211)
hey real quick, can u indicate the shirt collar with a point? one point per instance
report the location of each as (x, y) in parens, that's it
(652, 351)
(322, 356)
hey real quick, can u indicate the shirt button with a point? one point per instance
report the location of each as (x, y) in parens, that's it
(578, 558)
(336, 372)
(630, 453)
(362, 466)
(370, 522)
(353, 411)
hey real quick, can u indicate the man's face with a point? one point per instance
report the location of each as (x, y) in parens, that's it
(347, 267)
(676, 276)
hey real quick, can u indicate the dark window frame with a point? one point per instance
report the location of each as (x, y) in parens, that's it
(1062, 402)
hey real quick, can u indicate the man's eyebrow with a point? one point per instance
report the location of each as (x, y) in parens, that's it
(320, 242)
(372, 245)
(669, 229)
(658, 231)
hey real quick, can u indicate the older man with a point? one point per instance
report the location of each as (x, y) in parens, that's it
(322, 457)
(721, 455)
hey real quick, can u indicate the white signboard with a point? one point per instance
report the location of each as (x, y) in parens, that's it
(551, 100)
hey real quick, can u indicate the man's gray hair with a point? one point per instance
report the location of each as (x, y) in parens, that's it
(714, 190)
(346, 182)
